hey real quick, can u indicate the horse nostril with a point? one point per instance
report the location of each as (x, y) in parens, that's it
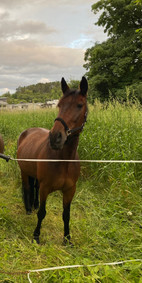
(58, 137)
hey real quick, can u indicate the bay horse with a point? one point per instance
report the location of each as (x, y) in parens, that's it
(1, 144)
(59, 143)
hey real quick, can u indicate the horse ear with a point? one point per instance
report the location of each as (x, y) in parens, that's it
(64, 86)
(84, 86)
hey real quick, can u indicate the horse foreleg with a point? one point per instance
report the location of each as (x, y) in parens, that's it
(31, 184)
(67, 198)
(41, 214)
(36, 201)
(66, 219)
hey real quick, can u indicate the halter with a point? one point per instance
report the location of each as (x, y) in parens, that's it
(71, 131)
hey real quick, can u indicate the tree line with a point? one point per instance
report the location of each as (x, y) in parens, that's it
(114, 67)
(40, 92)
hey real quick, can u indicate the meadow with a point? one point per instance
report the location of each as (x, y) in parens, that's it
(106, 224)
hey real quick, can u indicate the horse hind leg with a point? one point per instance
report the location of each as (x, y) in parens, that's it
(26, 193)
(34, 191)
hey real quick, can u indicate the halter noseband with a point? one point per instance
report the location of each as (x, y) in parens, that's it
(71, 131)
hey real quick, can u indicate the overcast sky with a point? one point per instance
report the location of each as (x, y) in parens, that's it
(44, 40)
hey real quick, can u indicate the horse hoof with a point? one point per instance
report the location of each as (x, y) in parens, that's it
(36, 239)
(28, 212)
(67, 242)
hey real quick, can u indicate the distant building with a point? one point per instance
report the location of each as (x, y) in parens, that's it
(29, 106)
(3, 102)
(23, 106)
(50, 103)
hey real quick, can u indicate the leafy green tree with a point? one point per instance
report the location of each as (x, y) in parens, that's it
(119, 16)
(117, 62)
(74, 84)
(7, 94)
(139, 1)
(40, 92)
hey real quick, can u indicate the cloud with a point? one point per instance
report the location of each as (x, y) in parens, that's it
(12, 28)
(43, 40)
(3, 15)
(19, 53)
(11, 4)
(4, 90)
(44, 80)
(29, 63)
(81, 42)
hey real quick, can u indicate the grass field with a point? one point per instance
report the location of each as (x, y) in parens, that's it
(106, 224)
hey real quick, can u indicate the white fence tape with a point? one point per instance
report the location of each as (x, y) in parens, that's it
(78, 265)
(66, 160)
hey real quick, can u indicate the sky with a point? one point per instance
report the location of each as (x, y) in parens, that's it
(44, 40)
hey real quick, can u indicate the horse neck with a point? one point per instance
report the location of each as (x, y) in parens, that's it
(70, 147)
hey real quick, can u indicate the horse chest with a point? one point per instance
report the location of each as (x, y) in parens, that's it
(60, 177)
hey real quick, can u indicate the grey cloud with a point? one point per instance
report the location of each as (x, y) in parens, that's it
(14, 3)
(33, 36)
(29, 76)
(24, 64)
(13, 27)
(36, 27)
(4, 15)
(31, 52)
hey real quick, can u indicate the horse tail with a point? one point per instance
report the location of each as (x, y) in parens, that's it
(1, 145)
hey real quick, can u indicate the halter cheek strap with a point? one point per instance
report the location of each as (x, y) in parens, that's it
(71, 131)
(67, 130)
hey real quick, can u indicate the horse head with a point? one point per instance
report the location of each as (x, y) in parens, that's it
(72, 114)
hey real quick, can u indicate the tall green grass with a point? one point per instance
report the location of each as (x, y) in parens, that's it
(113, 131)
(106, 210)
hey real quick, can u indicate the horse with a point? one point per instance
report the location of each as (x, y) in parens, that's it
(59, 143)
(1, 144)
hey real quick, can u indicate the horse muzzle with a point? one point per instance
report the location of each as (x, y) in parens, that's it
(57, 140)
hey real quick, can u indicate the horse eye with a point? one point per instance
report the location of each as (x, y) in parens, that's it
(79, 106)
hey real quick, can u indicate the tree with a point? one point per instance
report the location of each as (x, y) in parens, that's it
(117, 62)
(74, 84)
(119, 16)
(40, 92)
(139, 1)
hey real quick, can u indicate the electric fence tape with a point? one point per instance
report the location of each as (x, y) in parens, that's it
(7, 158)
(81, 266)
